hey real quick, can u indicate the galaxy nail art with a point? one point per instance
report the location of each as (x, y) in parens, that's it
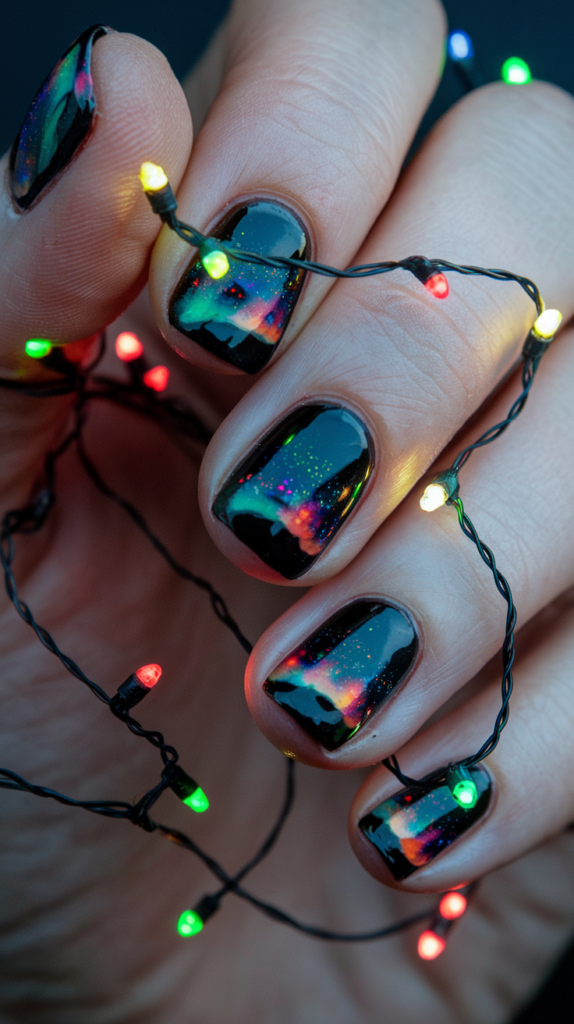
(342, 673)
(411, 828)
(295, 490)
(57, 123)
(242, 316)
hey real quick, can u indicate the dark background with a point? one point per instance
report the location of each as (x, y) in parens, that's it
(33, 36)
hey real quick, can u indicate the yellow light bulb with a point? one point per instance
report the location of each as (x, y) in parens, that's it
(216, 263)
(547, 324)
(434, 496)
(152, 177)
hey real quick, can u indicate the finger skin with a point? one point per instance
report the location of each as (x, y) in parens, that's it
(412, 368)
(318, 107)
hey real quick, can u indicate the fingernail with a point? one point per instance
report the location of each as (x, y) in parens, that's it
(242, 316)
(295, 490)
(342, 673)
(57, 123)
(411, 828)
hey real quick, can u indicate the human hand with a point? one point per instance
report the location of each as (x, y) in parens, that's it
(298, 82)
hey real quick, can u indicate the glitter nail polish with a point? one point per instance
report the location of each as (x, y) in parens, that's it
(295, 490)
(57, 123)
(342, 673)
(242, 316)
(411, 828)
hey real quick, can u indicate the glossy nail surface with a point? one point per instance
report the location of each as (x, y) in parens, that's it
(295, 490)
(341, 674)
(411, 828)
(242, 316)
(57, 123)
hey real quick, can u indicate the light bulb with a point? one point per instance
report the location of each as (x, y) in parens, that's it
(515, 71)
(197, 801)
(187, 790)
(460, 46)
(37, 348)
(128, 346)
(189, 923)
(465, 793)
(152, 177)
(434, 496)
(430, 945)
(148, 675)
(157, 378)
(546, 325)
(216, 263)
(437, 285)
(452, 905)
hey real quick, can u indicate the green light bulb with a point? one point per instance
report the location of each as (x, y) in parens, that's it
(37, 348)
(515, 71)
(197, 800)
(216, 263)
(465, 793)
(189, 923)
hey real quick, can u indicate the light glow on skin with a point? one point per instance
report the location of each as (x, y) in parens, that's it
(128, 346)
(38, 348)
(430, 945)
(546, 325)
(460, 46)
(435, 495)
(152, 177)
(197, 801)
(216, 263)
(452, 905)
(148, 675)
(157, 378)
(189, 923)
(515, 71)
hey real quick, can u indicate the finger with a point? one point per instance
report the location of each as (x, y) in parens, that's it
(525, 786)
(299, 154)
(386, 374)
(75, 230)
(357, 667)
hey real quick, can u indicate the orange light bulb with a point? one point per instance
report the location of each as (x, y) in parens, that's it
(128, 347)
(452, 905)
(148, 675)
(430, 945)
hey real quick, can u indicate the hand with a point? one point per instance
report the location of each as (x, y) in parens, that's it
(316, 113)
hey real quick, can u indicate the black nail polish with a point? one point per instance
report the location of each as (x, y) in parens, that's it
(242, 316)
(57, 123)
(295, 490)
(341, 674)
(411, 828)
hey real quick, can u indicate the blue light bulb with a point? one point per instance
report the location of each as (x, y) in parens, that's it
(460, 46)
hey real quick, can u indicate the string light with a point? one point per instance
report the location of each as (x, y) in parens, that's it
(128, 347)
(214, 260)
(157, 378)
(515, 71)
(38, 348)
(443, 487)
(437, 285)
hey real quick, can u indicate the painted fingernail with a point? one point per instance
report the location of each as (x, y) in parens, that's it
(57, 123)
(295, 490)
(341, 674)
(242, 316)
(411, 828)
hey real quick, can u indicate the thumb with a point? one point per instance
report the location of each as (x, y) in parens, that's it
(75, 228)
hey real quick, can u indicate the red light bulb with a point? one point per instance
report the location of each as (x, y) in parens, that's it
(430, 945)
(156, 378)
(128, 347)
(452, 905)
(148, 675)
(437, 285)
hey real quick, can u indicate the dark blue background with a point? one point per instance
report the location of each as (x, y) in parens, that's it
(35, 34)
